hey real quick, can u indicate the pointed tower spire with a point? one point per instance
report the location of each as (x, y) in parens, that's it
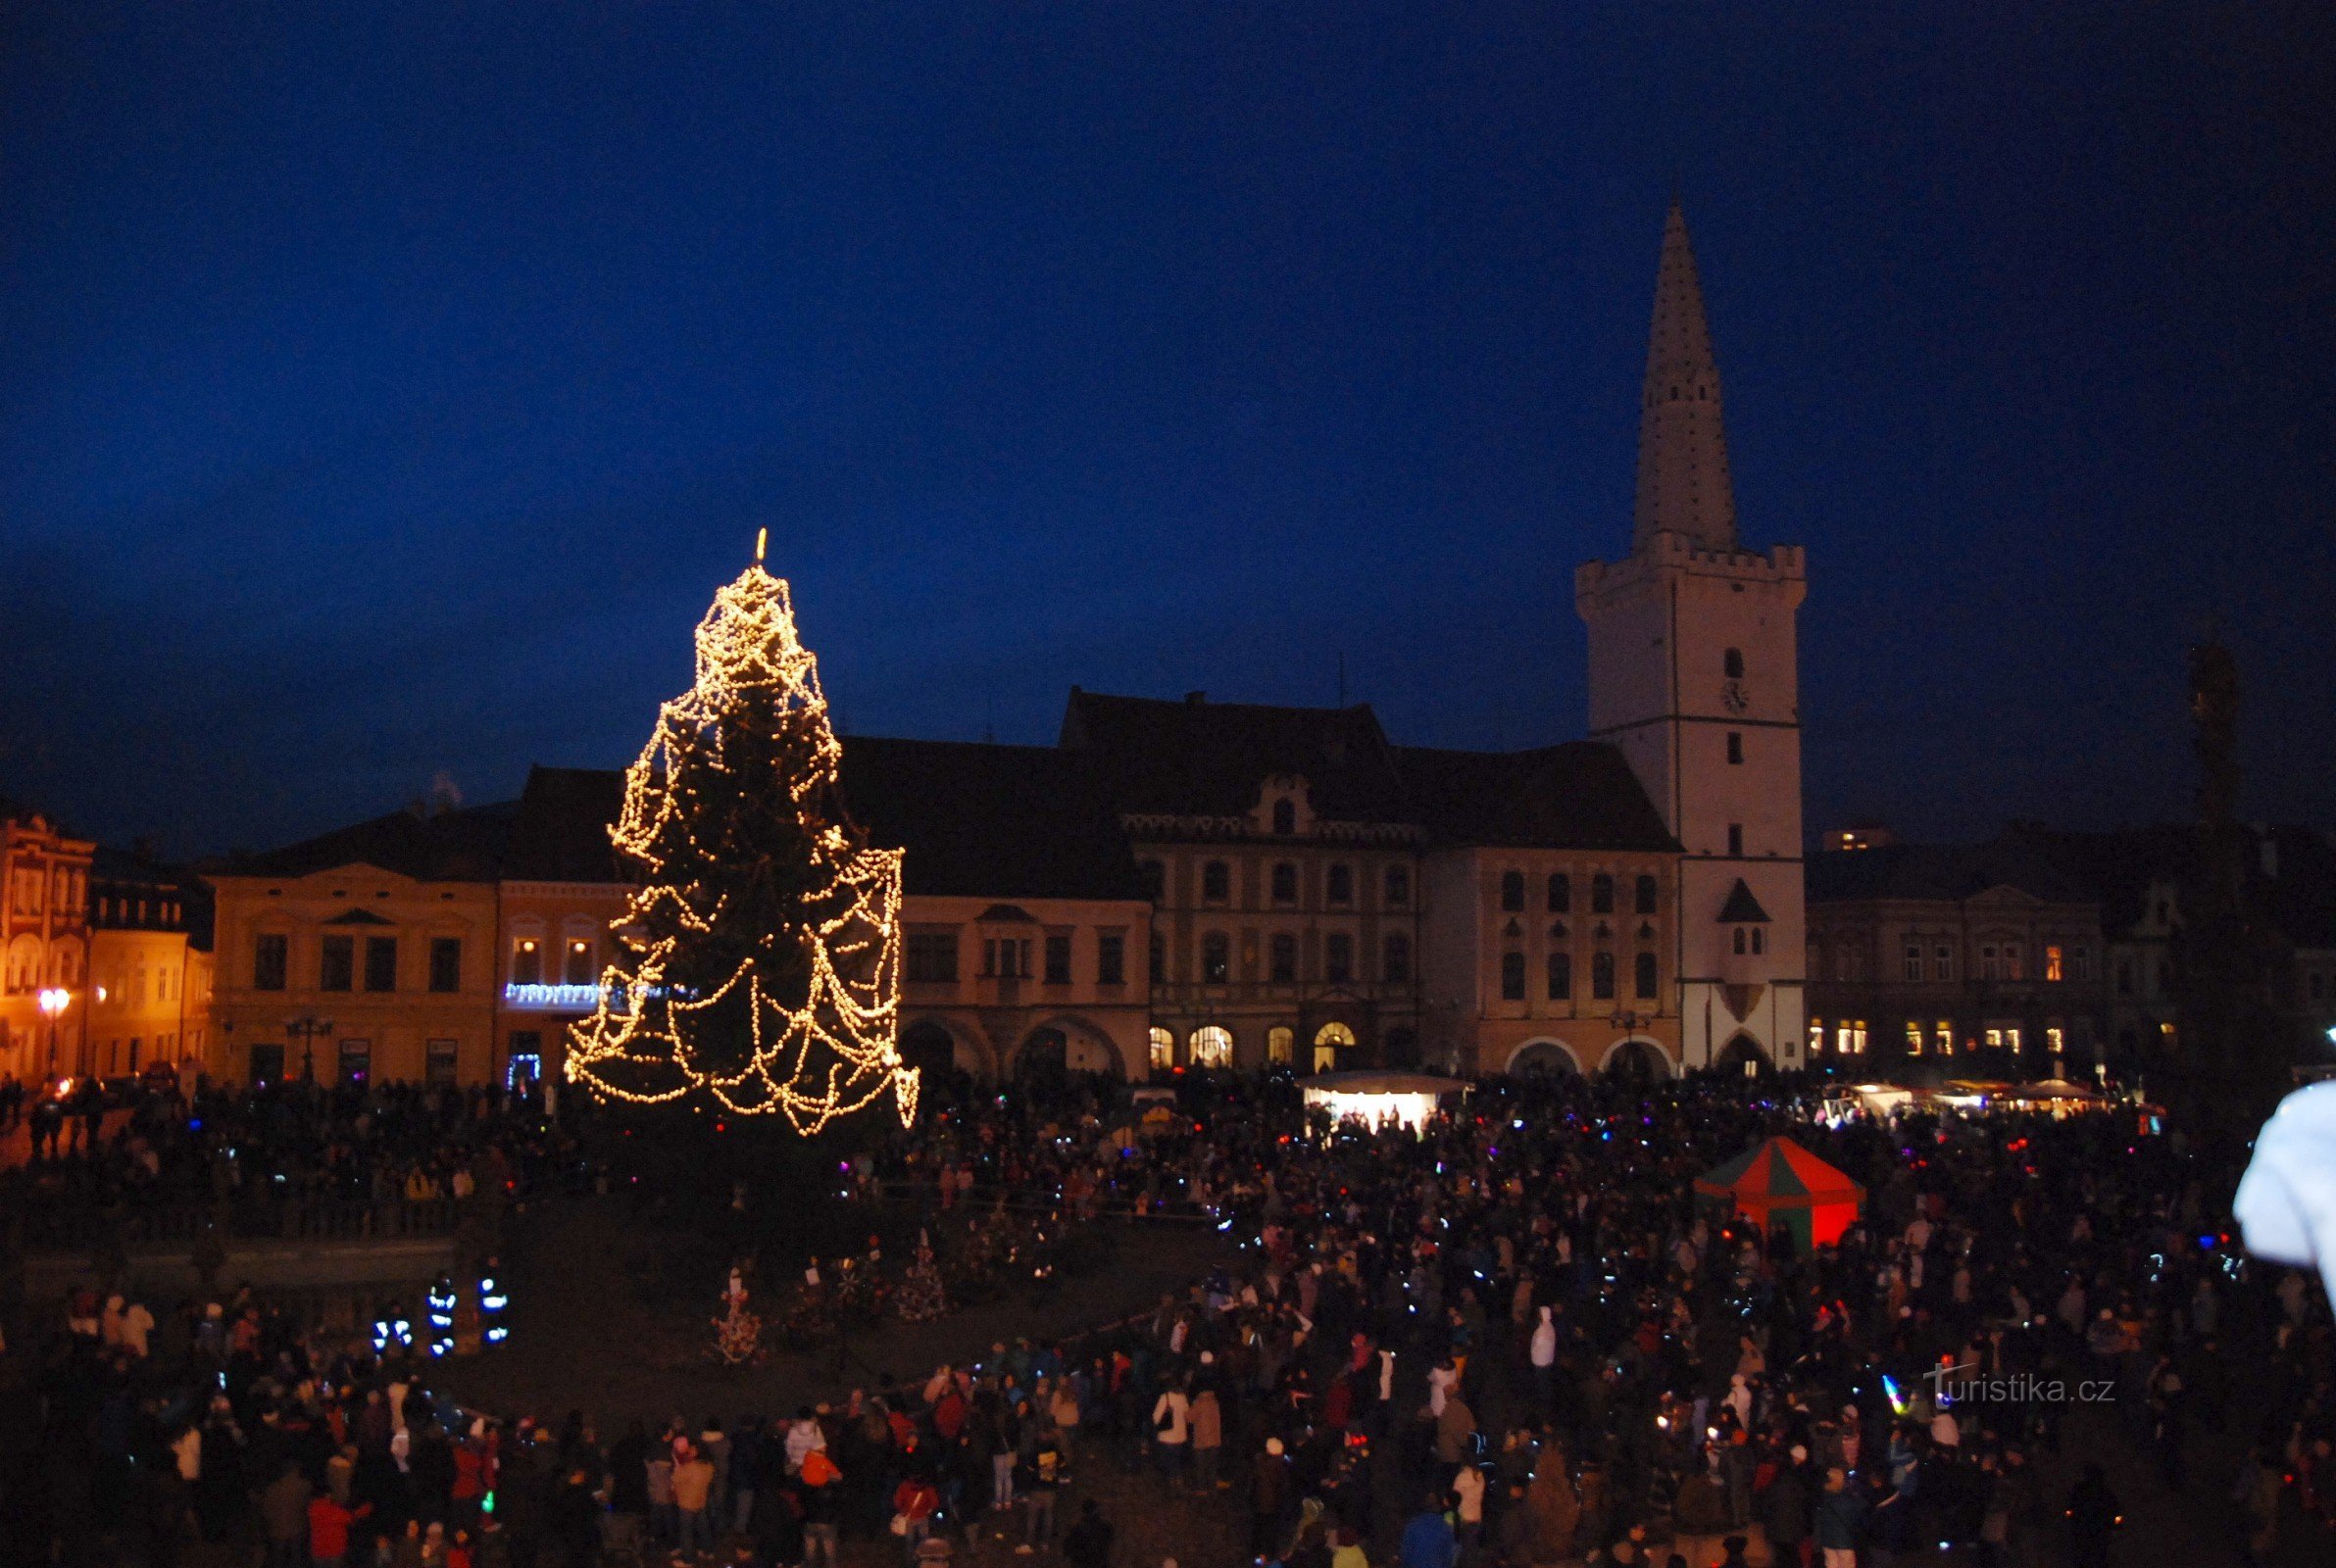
(1683, 484)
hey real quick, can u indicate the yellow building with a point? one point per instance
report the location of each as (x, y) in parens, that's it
(365, 954)
(44, 946)
(149, 993)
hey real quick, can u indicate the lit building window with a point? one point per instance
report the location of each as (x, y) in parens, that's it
(1281, 1046)
(1857, 1034)
(1995, 1039)
(1163, 1049)
(1329, 1041)
(1840, 1039)
(580, 962)
(1213, 1047)
(2053, 969)
(2055, 1039)
(1944, 1034)
(1914, 1038)
(2012, 1037)
(527, 962)
(1816, 1036)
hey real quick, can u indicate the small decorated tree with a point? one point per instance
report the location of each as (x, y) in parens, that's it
(921, 1297)
(761, 961)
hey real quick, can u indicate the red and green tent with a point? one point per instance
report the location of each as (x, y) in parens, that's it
(1780, 1183)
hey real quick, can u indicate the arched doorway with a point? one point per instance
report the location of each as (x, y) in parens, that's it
(1635, 1062)
(1329, 1041)
(1543, 1058)
(929, 1049)
(1743, 1058)
(1044, 1056)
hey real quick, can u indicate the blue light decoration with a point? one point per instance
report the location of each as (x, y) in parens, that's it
(389, 1332)
(492, 1299)
(440, 1302)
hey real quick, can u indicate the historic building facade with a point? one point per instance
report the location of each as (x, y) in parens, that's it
(44, 946)
(1985, 960)
(149, 965)
(1198, 884)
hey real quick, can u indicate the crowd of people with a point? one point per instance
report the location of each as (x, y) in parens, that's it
(1516, 1338)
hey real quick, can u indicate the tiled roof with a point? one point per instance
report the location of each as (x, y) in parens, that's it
(460, 846)
(1201, 758)
(1939, 872)
(1580, 796)
(989, 821)
(561, 833)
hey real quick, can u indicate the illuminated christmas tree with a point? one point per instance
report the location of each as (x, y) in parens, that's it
(921, 1297)
(760, 955)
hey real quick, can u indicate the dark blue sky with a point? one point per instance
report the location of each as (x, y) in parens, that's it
(385, 389)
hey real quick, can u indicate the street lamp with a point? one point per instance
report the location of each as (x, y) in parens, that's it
(306, 1028)
(54, 999)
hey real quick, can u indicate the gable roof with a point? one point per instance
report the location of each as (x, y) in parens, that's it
(463, 846)
(561, 833)
(1939, 872)
(1201, 758)
(1581, 796)
(982, 820)
(1741, 907)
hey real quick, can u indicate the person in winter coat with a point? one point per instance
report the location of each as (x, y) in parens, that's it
(693, 1489)
(1427, 1540)
(1208, 1438)
(1840, 1521)
(1784, 1507)
(328, 1522)
(283, 1513)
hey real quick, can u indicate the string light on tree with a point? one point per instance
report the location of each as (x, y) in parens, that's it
(761, 954)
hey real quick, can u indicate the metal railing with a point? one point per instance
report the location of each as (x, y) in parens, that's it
(72, 1227)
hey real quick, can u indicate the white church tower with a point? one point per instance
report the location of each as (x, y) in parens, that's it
(1693, 677)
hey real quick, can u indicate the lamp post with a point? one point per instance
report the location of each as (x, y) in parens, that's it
(306, 1028)
(52, 1002)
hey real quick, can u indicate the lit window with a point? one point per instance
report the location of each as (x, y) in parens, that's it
(580, 962)
(2054, 1038)
(527, 962)
(1857, 1034)
(2051, 964)
(1995, 1039)
(2012, 1037)
(1840, 1039)
(1281, 1046)
(1213, 1047)
(1329, 1041)
(1163, 1049)
(1944, 1035)
(1816, 1036)
(1914, 1038)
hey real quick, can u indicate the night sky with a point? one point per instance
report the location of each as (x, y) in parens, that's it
(385, 389)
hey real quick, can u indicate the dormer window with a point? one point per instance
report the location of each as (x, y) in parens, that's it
(1285, 818)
